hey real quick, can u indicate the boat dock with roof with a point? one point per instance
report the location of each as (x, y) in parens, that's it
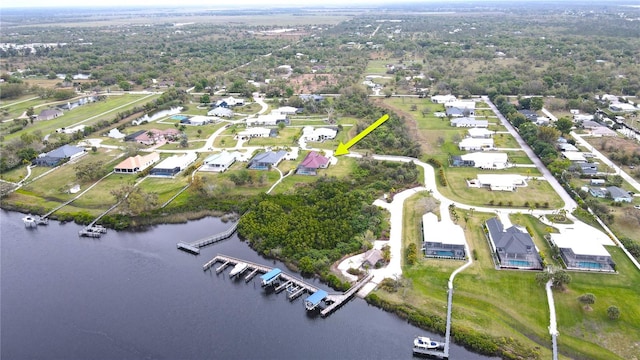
(295, 286)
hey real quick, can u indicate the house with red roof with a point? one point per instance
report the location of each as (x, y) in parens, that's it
(311, 163)
(136, 164)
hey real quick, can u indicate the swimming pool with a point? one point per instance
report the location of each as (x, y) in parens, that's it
(589, 265)
(520, 263)
(444, 253)
(179, 117)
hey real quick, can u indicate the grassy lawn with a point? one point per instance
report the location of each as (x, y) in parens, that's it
(518, 157)
(108, 108)
(378, 66)
(505, 141)
(342, 169)
(537, 191)
(99, 197)
(164, 187)
(286, 137)
(14, 110)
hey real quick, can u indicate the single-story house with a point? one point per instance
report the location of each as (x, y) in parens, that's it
(479, 132)
(229, 102)
(49, 114)
(56, 156)
(465, 105)
(372, 259)
(589, 124)
(603, 131)
(173, 164)
(318, 134)
(268, 120)
(471, 144)
(565, 147)
(311, 163)
(442, 239)
(256, 132)
(617, 107)
(153, 136)
(501, 182)
(220, 162)
(574, 156)
(582, 117)
(513, 247)
(598, 192)
(619, 195)
(457, 161)
(580, 252)
(529, 114)
(221, 112)
(311, 97)
(597, 182)
(441, 99)
(469, 122)
(484, 160)
(267, 159)
(285, 110)
(136, 164)
(115, 134)
(457, 112)
(586, 168)
(199, 120)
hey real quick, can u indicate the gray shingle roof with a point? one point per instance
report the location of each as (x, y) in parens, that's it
(511, 240)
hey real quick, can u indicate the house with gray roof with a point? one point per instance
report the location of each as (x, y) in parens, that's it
(55, 157)
(265, 160)
(49, 114)
(513, 248)
(598, 192)
(372, 259)
(619, 195)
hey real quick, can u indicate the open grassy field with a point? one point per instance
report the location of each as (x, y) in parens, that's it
(16, 108)
(378, 67)
(101, 110)
(341, 170)
(505, 141)
(165, 188)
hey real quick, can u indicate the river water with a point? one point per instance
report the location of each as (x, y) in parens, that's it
(133, 295)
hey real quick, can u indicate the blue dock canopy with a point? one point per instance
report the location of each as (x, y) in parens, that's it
(270, 276)
(312, 301)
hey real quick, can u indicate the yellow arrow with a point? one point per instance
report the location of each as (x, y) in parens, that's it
(343, 149)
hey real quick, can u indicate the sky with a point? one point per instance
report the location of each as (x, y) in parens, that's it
(203, 3)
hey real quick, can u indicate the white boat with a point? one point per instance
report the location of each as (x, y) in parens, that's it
(425, 343)
(29, 221)
(239, 268)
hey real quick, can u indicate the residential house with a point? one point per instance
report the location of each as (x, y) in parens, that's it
(136, 164)
(469, 122)
(199, 120)
(56, 156)
(255, 133)
(154, 136)
(529, 114)
(473, 144)
(221, 112)
(598, 192)
(268, 120)
(285, 110)
(483, 160)
(513, 247)
(574, 156)
(442, 239)
(566, 147)
(441, 99)
(229, 102)
(579, 251)
(311, 163)
(220, 162)
(49, 114)
(372, 259)
(620, 107)
(311, 97)
(586, 168)
(619, 195)
(498, 182)
(456, 112)
(172, 165)
(265, 160)
(467, 106)
(457, 161)
(582, 117)
(597, 182)
(590, 125)
(479, 132)
(318, 134)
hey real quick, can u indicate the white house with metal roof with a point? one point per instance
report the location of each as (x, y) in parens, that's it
(442, 239)
(471, 144)
(498, 182)
(220, 162)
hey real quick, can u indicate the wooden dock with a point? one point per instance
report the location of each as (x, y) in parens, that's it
(92, 231)
(295, 286)
(339, 299)
(194, 247)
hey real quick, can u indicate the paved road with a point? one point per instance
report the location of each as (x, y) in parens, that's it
(569, 203)
(606, 160)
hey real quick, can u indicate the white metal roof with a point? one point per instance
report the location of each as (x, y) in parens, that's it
(579, 243)
(442, 231)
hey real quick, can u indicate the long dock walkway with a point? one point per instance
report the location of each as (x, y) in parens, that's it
(339, 299)
(195, 246)
(294, 285)
(75, 198)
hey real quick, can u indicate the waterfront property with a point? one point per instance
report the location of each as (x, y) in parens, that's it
(265, 160)
(311, 163)
(173, 165)
(135, 164)
(154, 136)
(442, 239)
(580, 251)
(63, 153)
(513, 248)
(372, 259)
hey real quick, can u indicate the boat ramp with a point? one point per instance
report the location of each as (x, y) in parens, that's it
(282, 281)
(194, 247)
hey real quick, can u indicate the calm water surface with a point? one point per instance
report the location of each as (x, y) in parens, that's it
(133, 295)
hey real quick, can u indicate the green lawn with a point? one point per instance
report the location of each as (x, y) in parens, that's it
(378, 67)
(164, 187)
(286, 137)
(505, 141)
(101, 110)
(14, 110)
